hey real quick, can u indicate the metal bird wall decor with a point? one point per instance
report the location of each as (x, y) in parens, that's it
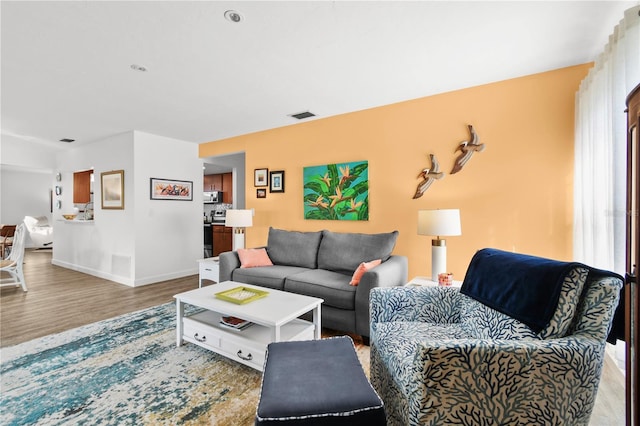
(467, 148)
(428, 176)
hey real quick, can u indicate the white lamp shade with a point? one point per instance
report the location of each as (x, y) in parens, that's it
(238, 218)
(439, 222)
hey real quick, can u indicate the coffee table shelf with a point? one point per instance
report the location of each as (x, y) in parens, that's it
(274, 318)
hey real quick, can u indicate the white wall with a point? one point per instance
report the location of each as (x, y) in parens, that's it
(168, 232)
(24, 193)
(106, 247)
(26, 178)
(26, 153)
(150, 240)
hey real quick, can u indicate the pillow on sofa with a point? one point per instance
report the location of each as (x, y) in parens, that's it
(362, 268)
(250, 258)
(343, 252)
(294, 248)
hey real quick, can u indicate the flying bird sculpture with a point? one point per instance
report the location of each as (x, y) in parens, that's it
(428, 177)
(467, 148)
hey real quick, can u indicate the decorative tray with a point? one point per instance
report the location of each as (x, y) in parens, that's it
(241, 295)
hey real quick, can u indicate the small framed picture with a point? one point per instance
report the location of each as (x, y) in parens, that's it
(261, 193)
(276, 181)
(112, 189)
(171, 189)
(260, 177)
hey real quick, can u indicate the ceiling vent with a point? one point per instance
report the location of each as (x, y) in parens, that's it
(303, 115)
(67, 140)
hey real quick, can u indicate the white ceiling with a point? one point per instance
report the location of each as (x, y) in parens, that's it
(66, 65)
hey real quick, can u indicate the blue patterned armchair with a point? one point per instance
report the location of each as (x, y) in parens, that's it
(439, 356)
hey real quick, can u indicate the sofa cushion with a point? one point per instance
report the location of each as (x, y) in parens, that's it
(266, 276)
(250, 258)
(333, 287)
(294, 248)
(343, 252)
(362, 268)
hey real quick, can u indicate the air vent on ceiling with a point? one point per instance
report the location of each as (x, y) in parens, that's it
(303, 115)
(67, 140)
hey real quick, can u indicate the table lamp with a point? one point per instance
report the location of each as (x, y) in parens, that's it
(239, 220)
(439, 223)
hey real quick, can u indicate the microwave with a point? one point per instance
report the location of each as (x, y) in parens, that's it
(212, 197)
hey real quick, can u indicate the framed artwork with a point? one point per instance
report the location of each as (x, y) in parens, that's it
(276, 181)
(337, 191)
(171, 189)
(260, 177)
(112, 189)
(261, 193)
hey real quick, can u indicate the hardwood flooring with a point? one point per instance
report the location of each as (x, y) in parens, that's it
(59, 299)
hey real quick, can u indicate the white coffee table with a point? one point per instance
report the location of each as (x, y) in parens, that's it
(274, 318)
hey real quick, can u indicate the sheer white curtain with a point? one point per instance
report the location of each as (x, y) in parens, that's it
(601, 148)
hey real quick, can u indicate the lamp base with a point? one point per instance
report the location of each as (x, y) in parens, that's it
(238, 240)
(438, 258)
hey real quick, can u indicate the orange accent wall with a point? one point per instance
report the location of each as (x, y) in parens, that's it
(516, 195)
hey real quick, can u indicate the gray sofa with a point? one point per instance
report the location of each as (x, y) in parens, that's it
(321, 264)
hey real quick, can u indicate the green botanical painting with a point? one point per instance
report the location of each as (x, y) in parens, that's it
(337, 191)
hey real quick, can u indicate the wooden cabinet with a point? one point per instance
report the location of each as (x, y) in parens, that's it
(227, 188)
(212, 183)
(222, 239)
(82, 187)
(220, 182)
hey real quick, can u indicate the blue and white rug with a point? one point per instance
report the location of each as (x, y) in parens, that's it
(124, 371)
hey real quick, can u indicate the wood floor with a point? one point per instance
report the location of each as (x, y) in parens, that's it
(59, 299)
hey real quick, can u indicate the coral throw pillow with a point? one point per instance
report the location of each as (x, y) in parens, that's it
(362, 268)
(250, 258)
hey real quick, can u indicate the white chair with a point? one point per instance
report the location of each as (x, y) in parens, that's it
(40, 231)
(13, 264)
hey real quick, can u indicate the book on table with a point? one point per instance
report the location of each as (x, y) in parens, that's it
(234, 322)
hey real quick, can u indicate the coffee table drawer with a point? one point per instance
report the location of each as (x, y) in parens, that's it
(245, 354)
(201, 334)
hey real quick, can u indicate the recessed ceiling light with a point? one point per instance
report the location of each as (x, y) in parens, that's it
(233, 16)
(137, 67)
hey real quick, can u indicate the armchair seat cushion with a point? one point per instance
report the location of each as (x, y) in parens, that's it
(396, 344)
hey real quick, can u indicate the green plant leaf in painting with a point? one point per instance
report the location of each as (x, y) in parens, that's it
(363, 211)
(361, 188)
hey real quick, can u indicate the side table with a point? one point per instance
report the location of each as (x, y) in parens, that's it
(209, 270)
(428, 282)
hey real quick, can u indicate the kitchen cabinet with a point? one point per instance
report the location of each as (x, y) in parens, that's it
(222, 182)
(82, 187)
(222, 239)
(227, 188)
(212, 183)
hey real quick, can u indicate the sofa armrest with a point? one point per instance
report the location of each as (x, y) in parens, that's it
(438, 305)
(391, 273)
(229, 261)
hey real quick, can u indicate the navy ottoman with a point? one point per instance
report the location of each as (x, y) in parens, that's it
(317, 382)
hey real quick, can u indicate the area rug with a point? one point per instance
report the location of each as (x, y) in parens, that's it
(127, 371)
(124, 371)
